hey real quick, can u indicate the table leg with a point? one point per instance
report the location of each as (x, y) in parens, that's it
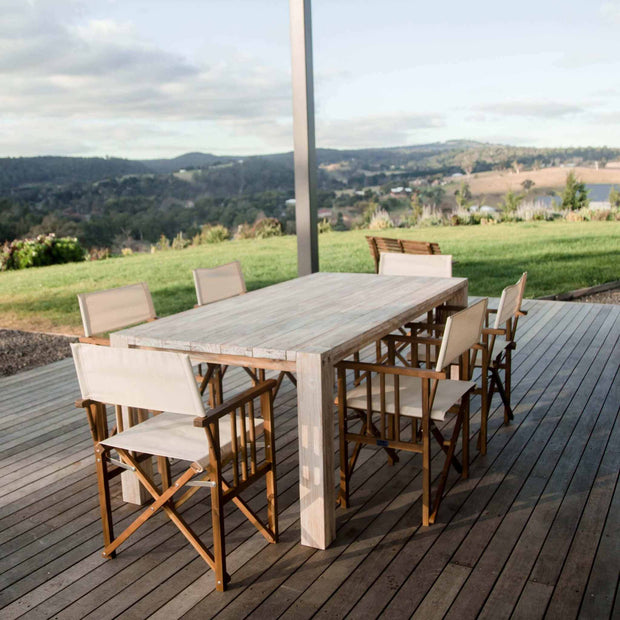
(133, 491)
(315, 413)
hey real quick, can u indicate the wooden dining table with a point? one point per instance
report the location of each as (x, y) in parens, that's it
(304, 326)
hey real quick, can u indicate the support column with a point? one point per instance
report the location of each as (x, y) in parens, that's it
(304, 138)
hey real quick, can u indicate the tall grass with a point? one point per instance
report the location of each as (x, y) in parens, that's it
(559, 257)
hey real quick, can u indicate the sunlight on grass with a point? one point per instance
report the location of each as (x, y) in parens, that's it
(559, 257)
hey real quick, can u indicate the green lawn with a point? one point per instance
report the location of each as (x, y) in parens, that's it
(559, 257)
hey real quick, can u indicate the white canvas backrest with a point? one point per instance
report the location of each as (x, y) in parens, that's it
(218, 283)
(429, 265)
(462, 332)
(510, 302)
(114, 308)
(157, 380)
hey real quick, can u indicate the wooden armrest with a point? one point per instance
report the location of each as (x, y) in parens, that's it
(411, 339)
(82, 403)
(393, 370)
(491, 310)
(438, 327)
(98, 340)
(235, 402)
(522, 313)
(491, 331)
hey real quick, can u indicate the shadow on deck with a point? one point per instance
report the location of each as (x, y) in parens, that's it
(533, 531)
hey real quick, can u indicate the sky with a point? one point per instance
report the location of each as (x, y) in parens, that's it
(158, 78)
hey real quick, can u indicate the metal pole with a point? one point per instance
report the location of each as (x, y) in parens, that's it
(304, 141)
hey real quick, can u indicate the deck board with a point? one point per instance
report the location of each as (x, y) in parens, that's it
(534, 529)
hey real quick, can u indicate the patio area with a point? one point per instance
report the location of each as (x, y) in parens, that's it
(533, 531)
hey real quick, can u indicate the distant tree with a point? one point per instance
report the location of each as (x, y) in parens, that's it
(463, 195)
(527, 184)
(511, 202)
(614, 198)
(575, 194)
(432, 195)
(516, 166)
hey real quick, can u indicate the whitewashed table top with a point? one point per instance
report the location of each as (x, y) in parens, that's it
(331, 314)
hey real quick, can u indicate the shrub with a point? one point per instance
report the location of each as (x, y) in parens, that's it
(267, 227)
(39, 252)
(325, 226)
(179, 242)
(212, 234)
(244, 231)
(162, 245)
(380, 220)
(429, 217)
(104, 253)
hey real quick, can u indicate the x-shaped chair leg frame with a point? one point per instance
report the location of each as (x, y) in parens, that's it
(162, 500)
(450, 457)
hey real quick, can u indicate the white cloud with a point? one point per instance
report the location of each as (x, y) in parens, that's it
(531, 109)
(611, 10)
(375, 131)
(56, 63)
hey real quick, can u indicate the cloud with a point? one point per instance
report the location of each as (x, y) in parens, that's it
(531, 109)
(375, 131)
(55, 62)
(611, 10)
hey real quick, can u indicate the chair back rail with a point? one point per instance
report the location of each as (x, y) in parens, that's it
(379, 245)
(216, 283)
(105, 311)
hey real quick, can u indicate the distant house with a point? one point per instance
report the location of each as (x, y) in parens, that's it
(290, 202)
(324, 213)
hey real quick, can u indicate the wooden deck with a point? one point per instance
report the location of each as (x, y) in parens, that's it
(534, 531)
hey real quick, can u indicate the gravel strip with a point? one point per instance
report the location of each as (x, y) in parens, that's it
(24, 350)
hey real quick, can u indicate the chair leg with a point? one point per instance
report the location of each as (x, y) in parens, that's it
(104, 498)
(448, 461)
(426, 470)
(163, 466)
(484, 411)
(219, 548)
(343, 493)
(508, 415)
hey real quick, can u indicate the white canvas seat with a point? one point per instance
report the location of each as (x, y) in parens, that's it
(448, 392)
(174, 436)
(219, 446)
(387, 394)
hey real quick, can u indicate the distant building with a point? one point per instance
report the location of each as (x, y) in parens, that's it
(324, 213)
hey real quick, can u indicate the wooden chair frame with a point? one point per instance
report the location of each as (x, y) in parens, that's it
(377, 245)
(242, 461)
(387, 431)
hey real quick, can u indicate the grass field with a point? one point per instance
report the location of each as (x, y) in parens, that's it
(559, 256)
